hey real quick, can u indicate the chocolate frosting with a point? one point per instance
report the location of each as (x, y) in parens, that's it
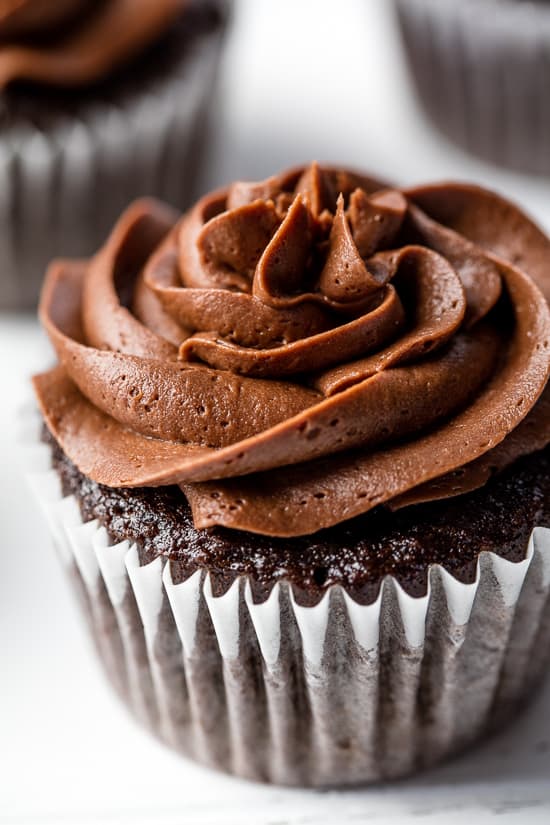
(295, 352)
(77, 42)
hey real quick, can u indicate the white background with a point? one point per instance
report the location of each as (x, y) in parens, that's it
(302, 79)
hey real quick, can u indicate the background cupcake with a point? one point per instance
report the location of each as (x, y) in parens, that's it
(481, 71)
(99, 103)
(223, 483)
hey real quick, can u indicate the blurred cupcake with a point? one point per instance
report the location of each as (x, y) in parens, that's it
(100, 102)
(481, 70)
(296, 455)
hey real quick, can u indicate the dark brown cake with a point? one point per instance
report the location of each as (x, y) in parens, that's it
(356, 554)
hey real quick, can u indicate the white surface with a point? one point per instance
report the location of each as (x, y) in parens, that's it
(296, 86)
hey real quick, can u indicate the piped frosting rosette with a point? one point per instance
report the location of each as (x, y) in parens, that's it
(77, 42)
(298, 351)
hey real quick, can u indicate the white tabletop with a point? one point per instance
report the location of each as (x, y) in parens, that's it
(301, 79)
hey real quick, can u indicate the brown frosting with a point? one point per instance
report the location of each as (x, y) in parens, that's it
(77, 42)
(297, 351)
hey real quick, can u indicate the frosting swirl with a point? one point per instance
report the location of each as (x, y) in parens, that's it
(77, 42)
(297, 351)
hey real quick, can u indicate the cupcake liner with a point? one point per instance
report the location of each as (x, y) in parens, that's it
(481, 70)
(335, 694)
(62, 186)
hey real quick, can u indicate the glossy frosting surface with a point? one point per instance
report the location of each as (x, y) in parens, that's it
(298, 351)
(77, 42)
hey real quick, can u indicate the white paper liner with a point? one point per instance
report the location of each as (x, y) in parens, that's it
(481, 70)
(61, 190)
(335, 694)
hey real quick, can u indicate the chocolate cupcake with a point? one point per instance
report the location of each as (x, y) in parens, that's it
(481, 71)
(298, 467)
(100, 102)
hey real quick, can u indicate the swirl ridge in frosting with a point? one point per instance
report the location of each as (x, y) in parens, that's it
(297, 351)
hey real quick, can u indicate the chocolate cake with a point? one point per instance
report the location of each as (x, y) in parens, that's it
(306, 428)
(76, 43)
(40, 102)
(100, 102)
(357, 555)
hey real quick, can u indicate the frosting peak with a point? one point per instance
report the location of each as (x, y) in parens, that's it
(296, 351)
(307, 263)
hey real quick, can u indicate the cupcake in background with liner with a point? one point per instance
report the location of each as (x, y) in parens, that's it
(295, 461)
(481, 69)
(101, 101)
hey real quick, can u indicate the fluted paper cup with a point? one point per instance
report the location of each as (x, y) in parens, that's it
(331, 695)
(63, 186)
(481, 70)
